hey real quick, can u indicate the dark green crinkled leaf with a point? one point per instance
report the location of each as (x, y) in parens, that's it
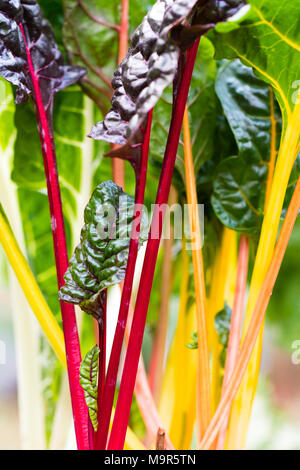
(206, 15)
(77, 157)
(222, 326)
(148, 68)
(237, 194)
(88, 377)
(100, 259)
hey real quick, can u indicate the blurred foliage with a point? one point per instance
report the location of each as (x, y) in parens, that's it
(283, 314)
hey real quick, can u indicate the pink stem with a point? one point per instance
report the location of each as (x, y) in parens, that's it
(147, 405)
(123, 31)
(118, 432)
(256, 322)
(118, 168)
(112, 371)
(73, 354)
(235, 326)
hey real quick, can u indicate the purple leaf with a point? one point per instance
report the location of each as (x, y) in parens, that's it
(21, 20)
(151, 64)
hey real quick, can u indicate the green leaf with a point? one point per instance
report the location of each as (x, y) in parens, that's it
(93, 43)
(7, 128)
(88, 377)
(100, 259)
(194, 343)
(254, 117)
(78, 159)
(53, 11)
(224, 147)
(249, 107)
(91, 37)
(222, 326)
(267, 39)
(39, 244)
(237, 197)
(202, 106)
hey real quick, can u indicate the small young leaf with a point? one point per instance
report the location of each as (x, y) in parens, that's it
(100, 259)
(194, 343)
(88, 377)
(222, 326)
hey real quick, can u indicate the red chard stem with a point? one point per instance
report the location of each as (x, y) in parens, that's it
(73, 354)
(111, 380)
(118, 432)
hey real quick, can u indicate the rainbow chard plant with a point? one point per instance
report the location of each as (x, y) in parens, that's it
(202, 108)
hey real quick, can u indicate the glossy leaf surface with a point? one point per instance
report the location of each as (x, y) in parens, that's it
(22, 19)
(88, 376)
(148, 68)
(254, 117)
(267, 39)
(100, 259)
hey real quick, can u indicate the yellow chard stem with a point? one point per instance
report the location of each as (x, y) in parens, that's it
(178, 356)
(255, 323)
(184, 363)
(31, 290)
(273, 150)
(203, 388)
(242, 405)
(222, 290)
(235, 325)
